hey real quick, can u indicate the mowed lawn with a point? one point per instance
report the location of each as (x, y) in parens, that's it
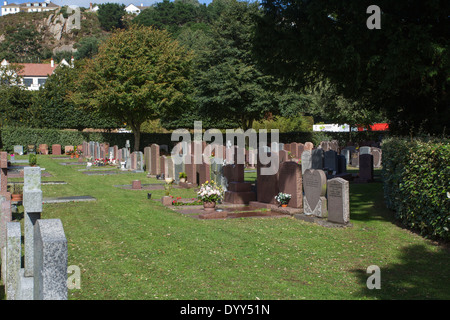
(130, 247)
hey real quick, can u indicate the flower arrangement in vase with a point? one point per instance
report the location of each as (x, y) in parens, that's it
(283, 198)
(210, 193)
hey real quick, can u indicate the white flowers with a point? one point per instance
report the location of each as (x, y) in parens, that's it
(283, 198)
(210, 192)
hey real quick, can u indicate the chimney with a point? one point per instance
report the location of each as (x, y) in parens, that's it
(52, 63)
(5, 3)
(90, 5)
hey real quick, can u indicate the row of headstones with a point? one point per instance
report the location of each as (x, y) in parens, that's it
(308, 189)
(42, 149)
(44, 274)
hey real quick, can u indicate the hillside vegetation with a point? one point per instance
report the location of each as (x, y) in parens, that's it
(34, 37)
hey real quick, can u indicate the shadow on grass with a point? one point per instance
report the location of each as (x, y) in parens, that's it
(421, 274)
(367, 202)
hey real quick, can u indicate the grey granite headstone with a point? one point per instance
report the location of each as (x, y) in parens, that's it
(139, 162)
(13, 257)
(179, 166)
(216, 172)
(306, 160)
(364, 150)
(376, 153)
(50, 265)
(18, 149)
(338, 200)
(314, 187)
(347, 154)
(32, 204)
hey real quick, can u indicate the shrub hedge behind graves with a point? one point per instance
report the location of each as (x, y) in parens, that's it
(416, 181)
(27, 136)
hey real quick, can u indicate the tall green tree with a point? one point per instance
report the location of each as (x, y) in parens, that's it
(402, 69)
(139, 74)
(174, 15)
(230, 85)
(110, 16)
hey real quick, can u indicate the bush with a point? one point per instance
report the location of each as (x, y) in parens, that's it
(32, 159)
(416, 180)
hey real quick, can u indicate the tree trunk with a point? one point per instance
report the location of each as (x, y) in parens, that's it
(137, 135)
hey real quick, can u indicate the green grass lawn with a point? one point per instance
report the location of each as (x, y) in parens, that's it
(130, 247)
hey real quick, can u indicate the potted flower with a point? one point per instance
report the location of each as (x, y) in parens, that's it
(183, 176)
(210, 193)
(283, 198)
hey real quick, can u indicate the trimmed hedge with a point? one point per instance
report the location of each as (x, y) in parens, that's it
(25, 136)
(416, 181)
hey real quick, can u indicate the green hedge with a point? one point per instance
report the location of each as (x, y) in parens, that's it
(25, 136)
(416, 181)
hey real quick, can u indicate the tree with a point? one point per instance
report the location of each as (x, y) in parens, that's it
(173, 16)
(110, 16)
(55, 109)
(139, 74)
(21, 42)
(401, 70)
(230, 85)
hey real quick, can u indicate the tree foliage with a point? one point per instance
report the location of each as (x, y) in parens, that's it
(139, 74)
(174, 15)
(110, 16)
(230, 85)
(401, 69)
(55, 109)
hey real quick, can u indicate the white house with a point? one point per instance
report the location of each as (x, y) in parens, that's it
(133, 9)
(34, 75)
(28, 7)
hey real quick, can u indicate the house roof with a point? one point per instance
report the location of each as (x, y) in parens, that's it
(24, 5)
(37, 69)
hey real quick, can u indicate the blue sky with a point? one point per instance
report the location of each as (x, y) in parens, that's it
(85, 3)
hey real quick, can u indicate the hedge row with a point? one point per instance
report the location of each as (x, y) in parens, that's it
(416, 181)
(28, 136)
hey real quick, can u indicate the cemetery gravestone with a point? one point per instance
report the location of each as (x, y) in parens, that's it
(365, 168)
(317, 159)
(315, 187)
(306, 161)
(50, 269)
(43, 149)
(290, 181)
(12, 261)
(56, 149)
(32, 204)
(338, 200)
(154, 162)
(18, 149)
(376, 153)
(331, 160)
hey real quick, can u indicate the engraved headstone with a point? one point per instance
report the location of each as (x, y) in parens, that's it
(314, 187)
(290, 182)
(338, 200)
